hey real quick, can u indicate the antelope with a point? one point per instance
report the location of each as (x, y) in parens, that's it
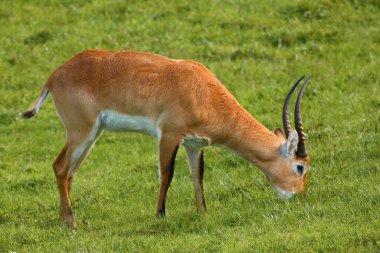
(180, 102)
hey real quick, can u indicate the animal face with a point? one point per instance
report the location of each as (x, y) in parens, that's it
(289, 176)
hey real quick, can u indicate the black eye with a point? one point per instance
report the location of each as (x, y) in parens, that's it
(300, 169)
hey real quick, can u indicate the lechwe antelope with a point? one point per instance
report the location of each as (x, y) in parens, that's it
(176, 101)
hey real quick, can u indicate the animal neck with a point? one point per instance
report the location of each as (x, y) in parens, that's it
(252, 141)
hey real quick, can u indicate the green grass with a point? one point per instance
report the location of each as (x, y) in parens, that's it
(257, 50)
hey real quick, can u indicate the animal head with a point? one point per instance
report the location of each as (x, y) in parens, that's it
(288, 174)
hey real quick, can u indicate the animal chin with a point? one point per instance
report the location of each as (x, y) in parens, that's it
(284, 194)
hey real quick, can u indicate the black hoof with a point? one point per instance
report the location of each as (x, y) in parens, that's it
(161, 213)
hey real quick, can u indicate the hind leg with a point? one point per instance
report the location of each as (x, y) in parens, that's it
(61, 168)
(80, 153)
(78, 145)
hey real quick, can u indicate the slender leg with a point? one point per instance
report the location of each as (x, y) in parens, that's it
(66, 165)
(60, 166)
(196, 164)
(167, 153)
(82, 153)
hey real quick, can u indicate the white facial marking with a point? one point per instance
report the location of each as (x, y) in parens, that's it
(284, 194)
(295, 169)
(114, 121)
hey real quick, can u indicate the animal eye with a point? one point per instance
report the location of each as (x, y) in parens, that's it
(300, 169)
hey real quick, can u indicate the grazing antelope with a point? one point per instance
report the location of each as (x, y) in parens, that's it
(179, 102)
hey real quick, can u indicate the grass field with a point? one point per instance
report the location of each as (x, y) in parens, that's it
(257, 50)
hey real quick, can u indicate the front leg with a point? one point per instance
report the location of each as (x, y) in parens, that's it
(167, 153)
(196, 164)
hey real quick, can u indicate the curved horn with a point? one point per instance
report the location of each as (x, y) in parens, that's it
(301, 148)
(285, 112)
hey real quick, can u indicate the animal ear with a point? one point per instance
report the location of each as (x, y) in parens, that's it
(292, 142)
(290, 147)
(279, 133)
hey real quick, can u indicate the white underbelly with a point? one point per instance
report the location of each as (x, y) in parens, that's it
(117, 122)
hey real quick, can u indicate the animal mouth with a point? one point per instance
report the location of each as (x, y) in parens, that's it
(284, 194)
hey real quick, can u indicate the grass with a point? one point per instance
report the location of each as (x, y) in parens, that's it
(257, 50)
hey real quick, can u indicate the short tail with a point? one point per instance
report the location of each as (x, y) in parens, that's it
(37, 104)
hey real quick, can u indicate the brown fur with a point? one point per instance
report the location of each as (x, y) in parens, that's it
(181, 97)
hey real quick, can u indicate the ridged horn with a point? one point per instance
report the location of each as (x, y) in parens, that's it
(285, 112)
(301, 148)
